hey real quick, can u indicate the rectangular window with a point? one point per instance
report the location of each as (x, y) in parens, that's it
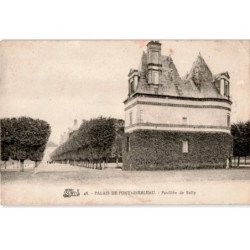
(128, 144)
(156, 91)
(132, 87)
(225, 88)
(155, 77)
(184, 146)
(228, 120)
(154, 57)
(184, 120)
(130, 118)
(140, 116)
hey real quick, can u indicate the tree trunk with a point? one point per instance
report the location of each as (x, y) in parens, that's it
(21, 165)
(238, 164)
(245, 160)
(36, 164)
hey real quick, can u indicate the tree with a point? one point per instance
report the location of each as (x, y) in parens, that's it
(6, 139)
(24, 138)
(241, 139)
(101, 137)
(93, 142)
(117, 145)
(36, 154)
(4, 155)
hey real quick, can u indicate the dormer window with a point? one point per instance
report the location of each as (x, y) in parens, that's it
(131, 86)
(154, 57)
(226, 88)
(223, 85)
(133, 81)
(155, 77)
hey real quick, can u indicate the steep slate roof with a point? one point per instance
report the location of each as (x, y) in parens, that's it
(198, 83)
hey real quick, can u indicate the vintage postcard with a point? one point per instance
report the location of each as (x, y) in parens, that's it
(125, 122)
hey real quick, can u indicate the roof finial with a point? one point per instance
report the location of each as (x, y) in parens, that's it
(199, 57)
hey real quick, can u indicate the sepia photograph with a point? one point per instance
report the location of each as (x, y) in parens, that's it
(125, 122)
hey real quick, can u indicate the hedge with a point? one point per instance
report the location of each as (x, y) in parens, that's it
(152, 150)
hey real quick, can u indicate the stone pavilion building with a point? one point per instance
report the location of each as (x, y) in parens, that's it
(173, 122)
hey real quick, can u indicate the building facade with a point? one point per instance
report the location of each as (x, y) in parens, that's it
(65, 136)
(50, 147)
(173, 122)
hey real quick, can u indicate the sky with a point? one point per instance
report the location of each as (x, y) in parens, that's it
(59, 81)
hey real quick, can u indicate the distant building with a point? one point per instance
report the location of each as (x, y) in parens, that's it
(173, 122)
(65, 136)
(50, 147)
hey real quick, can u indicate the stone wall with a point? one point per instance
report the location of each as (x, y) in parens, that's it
(166, 111)
(162, 150)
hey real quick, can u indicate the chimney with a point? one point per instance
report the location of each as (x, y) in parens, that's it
(75, 122)
(154, 52)
(154, 64)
